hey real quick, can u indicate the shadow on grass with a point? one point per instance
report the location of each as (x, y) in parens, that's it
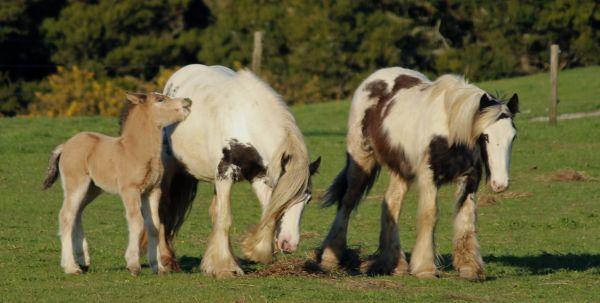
(189, 264)
(542, 264)
(547, 263)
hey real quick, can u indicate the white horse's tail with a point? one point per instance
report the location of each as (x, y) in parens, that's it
(289, 175)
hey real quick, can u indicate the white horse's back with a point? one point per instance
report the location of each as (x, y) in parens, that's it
(226, 106)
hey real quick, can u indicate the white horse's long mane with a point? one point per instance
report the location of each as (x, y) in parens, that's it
(462, 101)
(289, 167)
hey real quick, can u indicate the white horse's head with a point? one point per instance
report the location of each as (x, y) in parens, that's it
(497, 140)
(287, 235)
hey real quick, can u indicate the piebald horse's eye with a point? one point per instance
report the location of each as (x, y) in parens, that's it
(486, 138)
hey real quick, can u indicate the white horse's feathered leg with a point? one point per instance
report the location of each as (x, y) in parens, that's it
(218, 260)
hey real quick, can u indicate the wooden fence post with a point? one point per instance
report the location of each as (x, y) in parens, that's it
(554, 51)
(257, 52)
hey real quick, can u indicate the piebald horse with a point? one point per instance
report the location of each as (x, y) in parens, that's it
(238, 129)
(430, 133)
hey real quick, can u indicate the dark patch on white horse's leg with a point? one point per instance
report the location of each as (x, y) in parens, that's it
(242, 161)
(449, 162)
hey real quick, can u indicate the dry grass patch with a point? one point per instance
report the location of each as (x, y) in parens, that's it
(492, 199)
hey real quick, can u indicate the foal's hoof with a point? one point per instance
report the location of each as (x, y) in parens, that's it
(471, 274)
(134, 271)
(170, 264)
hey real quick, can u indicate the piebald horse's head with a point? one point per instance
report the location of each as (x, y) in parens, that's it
(496, 142)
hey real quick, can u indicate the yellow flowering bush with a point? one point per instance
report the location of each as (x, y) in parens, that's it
(78, 92)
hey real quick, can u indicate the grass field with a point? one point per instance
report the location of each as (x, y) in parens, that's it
(541, 240)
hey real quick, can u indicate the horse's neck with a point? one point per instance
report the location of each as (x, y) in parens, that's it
(142, 138)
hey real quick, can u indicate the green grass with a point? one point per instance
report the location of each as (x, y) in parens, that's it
(543, 245)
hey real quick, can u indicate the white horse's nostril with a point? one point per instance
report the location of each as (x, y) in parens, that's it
(499, 187)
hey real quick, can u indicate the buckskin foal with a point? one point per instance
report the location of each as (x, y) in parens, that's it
(129, 165)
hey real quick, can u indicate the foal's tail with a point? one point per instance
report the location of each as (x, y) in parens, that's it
(53, 171)
(351, 173)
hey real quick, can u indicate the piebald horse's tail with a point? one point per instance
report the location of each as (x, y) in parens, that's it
(289, 175)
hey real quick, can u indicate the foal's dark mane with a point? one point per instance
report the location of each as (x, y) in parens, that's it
(124, 116)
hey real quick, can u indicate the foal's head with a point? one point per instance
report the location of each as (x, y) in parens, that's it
(497, 139)
(160, 109)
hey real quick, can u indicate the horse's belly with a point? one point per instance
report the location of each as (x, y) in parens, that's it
(192, 148)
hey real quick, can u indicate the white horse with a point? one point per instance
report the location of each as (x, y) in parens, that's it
(238, 129)
(434, 132)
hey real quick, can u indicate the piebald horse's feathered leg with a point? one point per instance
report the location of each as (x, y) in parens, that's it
(390, 258)
(422, 261)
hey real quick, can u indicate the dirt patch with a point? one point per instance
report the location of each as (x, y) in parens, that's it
(370, 284)
(465, 298)
(493, 199)
(568, 175)
(308, 267)
(294, 267)
(568, 116)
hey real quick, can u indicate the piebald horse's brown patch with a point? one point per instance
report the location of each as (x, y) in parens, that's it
(372, 128)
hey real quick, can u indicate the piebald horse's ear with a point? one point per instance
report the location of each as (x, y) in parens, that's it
(513, 104)
(136, 98)
(313, 168)
(485, 101)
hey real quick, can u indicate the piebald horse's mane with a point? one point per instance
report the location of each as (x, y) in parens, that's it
(462, 100)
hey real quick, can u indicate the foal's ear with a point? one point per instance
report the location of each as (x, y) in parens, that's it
(513, 104)
(313, 168)
(136, 98)
(485, 101)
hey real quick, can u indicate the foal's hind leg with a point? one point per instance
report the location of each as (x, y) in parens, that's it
(80, 243)
(152, 223)
(390, 258)
(422, 260)
(334, 247)
(218, 260)
(466, 257)
(75, 189)
(132, 201)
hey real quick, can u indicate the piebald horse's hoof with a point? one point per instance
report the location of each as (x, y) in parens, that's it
(471, 274)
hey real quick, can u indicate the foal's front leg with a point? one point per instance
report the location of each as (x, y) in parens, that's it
(390, 258)
(422, 260)
(132, 200)
(466, 257)
(218, 259)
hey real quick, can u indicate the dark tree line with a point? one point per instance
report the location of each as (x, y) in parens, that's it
(313, 50)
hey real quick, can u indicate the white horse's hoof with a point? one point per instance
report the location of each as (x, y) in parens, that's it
(73, 270)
